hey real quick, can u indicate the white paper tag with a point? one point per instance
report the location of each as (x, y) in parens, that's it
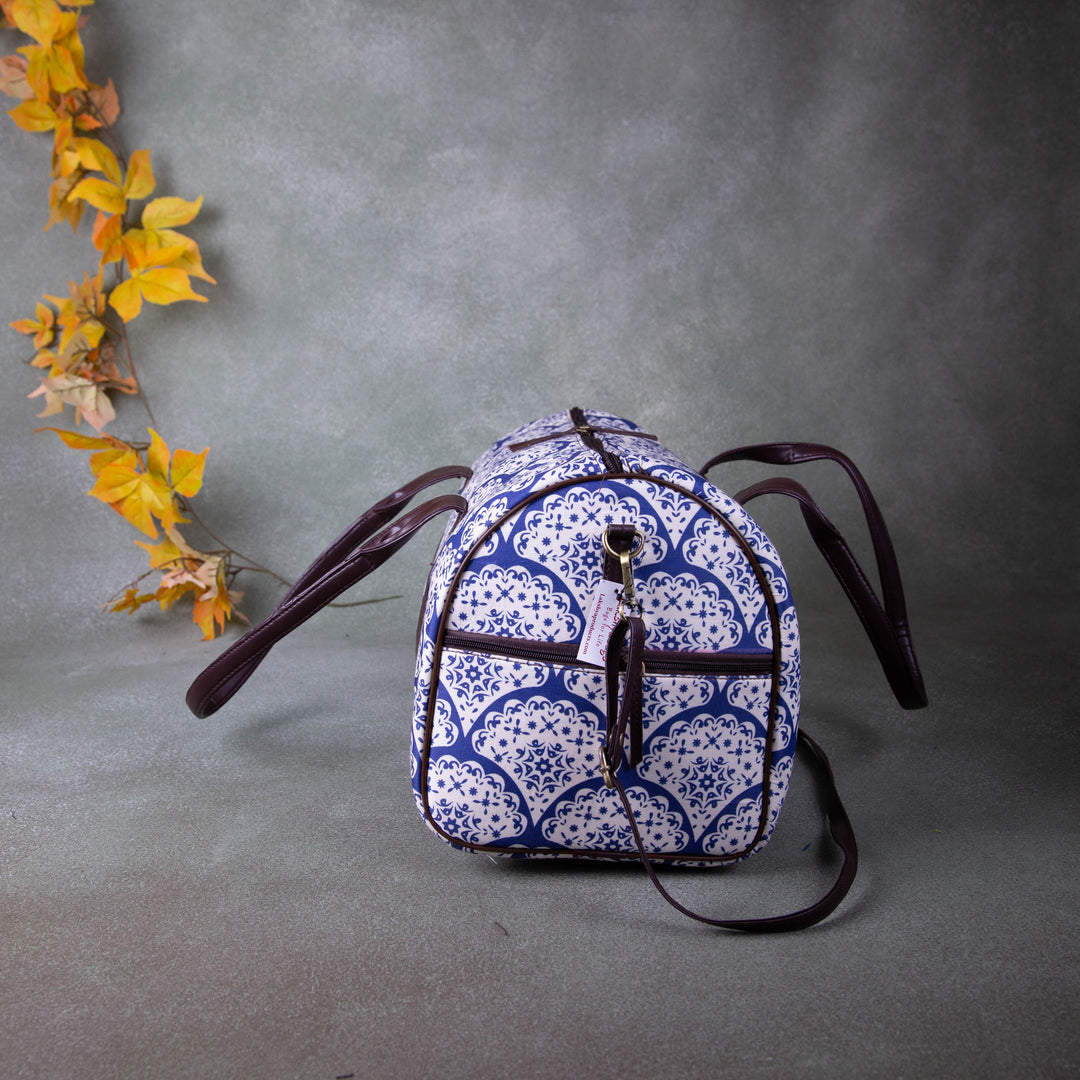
(603, 618)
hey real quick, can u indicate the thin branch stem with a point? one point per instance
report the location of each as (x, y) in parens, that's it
(135, 375)
(187, 508)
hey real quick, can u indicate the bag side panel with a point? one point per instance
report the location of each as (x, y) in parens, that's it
(718, 749)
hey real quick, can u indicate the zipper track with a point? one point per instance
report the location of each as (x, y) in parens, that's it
(657, 662)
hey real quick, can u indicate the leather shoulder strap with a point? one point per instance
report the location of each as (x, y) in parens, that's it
(885, 620)
(354, 555)
(839, 828)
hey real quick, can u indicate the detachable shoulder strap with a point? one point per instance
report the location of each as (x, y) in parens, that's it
(886, 624)
(839, 828)
(346, 561)
(885, 620)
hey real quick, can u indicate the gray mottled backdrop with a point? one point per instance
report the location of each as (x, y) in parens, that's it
(845, 222)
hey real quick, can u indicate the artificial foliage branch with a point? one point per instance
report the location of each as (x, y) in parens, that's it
(80, 340)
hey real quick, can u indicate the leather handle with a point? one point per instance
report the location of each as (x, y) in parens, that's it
(383, 512)
(885, 620)
(354, 555)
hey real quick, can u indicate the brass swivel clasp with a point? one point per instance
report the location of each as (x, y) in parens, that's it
(629, 605)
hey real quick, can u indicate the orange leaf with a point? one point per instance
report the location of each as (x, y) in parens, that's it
(146, 248)
(214, 606)
(106, 103)
(106, 236)
(46, 358)
(131, 601)
(42, 327)
(78, 441)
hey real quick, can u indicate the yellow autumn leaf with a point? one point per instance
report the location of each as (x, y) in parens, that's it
(159, 285)
(168, 212)
(171, 551)
(95, 156)
(41, 19)
(186, 472)
(189, 260)
(139, 182)
(120, 452)
(136, 495)
(157, 458)
(101, 194)
(116, 482)
(147, 247)
(126, 299)
(35, 116)
(77, 344)
(109, 448)
(135, 509)
(52, 69)
(112, 196)
(211, 610)
(166, 286)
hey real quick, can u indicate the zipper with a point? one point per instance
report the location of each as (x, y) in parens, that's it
(657, 661)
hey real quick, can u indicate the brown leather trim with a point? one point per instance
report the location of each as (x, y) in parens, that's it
(580, 426)
(774, 622)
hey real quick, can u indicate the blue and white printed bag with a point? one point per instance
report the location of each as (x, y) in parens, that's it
(608, 652)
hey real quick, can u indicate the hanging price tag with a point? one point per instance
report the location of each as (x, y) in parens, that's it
(603, 618)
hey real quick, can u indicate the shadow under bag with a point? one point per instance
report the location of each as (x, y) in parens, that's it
(607, 663)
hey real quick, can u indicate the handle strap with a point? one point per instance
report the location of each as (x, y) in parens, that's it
(839, 827)
(884, 620)
(354, 555)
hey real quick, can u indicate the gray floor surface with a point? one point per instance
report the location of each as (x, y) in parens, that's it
(255, 896)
